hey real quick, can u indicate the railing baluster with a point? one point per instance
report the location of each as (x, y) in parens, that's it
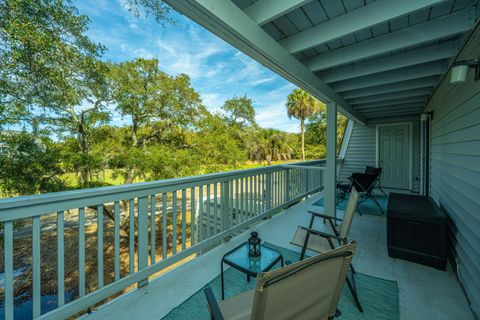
(60, 260)
(184, 219)
(8, 245)
(116, 239)
(255, 195)
(174, 219)
(164, 226)
(192, 216)
(100, 245)
(259, 193)
(242, 198)
(142, 236)
(81, 252)
(215, 209)
(36, 275)
(231, 222)
(131, 235)
(222, 206)
(269, 191)
(247, 198)
(200, 213)
(153, 247)
(208, 211)
(237, 211)
(252, 193)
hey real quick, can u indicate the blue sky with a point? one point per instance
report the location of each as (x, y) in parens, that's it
(217, 70)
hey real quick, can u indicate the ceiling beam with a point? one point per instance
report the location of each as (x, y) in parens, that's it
(410, 73)
(391, 96)
(393, 102)
(230, 23)
(394, 113)
(398, 104)
(380, 109)
(426, 54)
(431, 30)
(392, 87)
(264, 11)
(352, 21)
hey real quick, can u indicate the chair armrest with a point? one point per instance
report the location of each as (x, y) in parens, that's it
(215, 312)
(321, 215)
(323, 234)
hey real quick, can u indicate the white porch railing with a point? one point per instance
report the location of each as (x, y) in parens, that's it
(192, 214)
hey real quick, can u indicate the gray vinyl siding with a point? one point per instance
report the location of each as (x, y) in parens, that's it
(361, 148)
(455, 171)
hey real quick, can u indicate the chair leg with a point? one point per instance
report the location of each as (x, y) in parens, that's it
(378, 204)
(383, 191)
(353, 290)
(358, 209)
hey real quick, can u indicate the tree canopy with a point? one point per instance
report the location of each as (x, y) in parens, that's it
(74, 119)
(301, 105)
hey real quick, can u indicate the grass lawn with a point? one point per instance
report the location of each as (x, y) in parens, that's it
(108, 176)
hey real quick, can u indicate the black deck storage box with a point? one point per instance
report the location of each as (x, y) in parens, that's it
(416, 230)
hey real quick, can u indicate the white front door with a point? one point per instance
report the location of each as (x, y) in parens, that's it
(393, 156)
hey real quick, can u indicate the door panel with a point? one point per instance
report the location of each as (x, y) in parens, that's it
(394, 156)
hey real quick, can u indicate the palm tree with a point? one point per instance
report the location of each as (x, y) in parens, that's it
(301, 106)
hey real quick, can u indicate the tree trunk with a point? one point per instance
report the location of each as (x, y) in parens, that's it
(84, 169)
(302, 130)
(130, 171)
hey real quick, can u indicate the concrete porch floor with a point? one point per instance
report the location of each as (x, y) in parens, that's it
(424, 292)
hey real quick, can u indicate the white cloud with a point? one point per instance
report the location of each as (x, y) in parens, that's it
(217, 70)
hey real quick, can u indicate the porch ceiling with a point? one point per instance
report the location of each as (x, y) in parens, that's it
(370, 57)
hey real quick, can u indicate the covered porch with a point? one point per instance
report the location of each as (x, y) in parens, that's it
(378, 62)
(424, 292)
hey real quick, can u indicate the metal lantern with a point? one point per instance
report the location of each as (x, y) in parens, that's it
(254, 245)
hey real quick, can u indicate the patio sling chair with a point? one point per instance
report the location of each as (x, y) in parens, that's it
(365, 184)
(308, 289)
(317, 241)
(378, 172)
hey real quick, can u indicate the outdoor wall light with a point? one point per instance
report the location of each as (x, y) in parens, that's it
(460, 70)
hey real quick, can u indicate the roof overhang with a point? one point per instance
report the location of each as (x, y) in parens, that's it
(369, 57)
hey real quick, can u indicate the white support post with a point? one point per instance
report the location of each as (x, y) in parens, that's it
(331, 169)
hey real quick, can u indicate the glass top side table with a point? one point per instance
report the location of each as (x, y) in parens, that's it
(239, 259)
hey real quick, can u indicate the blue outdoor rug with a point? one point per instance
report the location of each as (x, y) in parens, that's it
(366, 207)
(378, 297)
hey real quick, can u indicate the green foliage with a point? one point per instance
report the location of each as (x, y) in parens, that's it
(29, 165)
(157, 8)
(46, 59)
(52, 77)
(217, 145)
(316, 133)
(301, 105)
(239, 111)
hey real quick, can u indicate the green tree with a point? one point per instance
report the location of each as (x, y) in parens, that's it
(316, 133)
(50, 69)
(45, 56)
(217, 144)
(29, 165)
(301, 106)
(148, 96)
(239, 111)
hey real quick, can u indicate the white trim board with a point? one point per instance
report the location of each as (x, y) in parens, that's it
(410, 149)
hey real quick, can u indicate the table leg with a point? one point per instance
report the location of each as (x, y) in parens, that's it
(248, 278)
(223, 290)
(281, 260)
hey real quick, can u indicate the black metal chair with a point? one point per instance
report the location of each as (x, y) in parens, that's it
(365, 184)
(378, 171)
